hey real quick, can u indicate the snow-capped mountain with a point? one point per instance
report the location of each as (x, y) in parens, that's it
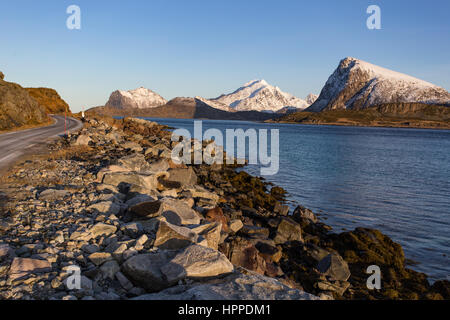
(258, 95)
(357, 84)
(215, 104)
(140, 98)
(311, 98)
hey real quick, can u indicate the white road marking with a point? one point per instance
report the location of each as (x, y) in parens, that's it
(9, 156)
(16, 142)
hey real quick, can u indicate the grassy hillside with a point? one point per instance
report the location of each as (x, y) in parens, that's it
(18, 108)
(49, 99)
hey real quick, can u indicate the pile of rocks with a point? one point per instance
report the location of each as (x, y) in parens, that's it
(132, 221)
(110, 201)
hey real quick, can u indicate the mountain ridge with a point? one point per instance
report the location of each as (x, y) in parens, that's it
(140, 98)
(258, 95)
(357, 84)
(184, 108)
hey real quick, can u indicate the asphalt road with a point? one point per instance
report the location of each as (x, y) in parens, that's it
(15, 144)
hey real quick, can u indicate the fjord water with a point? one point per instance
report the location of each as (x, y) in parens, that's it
(392, 179)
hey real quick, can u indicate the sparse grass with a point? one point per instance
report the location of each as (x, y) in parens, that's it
(29, 126)
(70, 153)
(49, 99)
(47, 161)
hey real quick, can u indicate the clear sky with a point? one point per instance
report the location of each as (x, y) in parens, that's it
(205, 48)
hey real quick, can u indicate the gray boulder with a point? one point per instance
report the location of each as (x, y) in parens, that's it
(100, 229)
(161, 165)
(179, 213)
(186, 177)
(133, 146)
(281, 209)
(235, 225)
(146, 182)
(237, 286)
(171, 237)
(288, 230)
(6, 252)
(301, 213)
(197, 262)
(144, 270)
(211, 232)
(22, 267)
(116, 178)
(109, 269)
(82, 140)
(316, 252)
(140, 198)
(147, 209)
(334, 267)
(53, 194)
(105, 207)
(135, 162)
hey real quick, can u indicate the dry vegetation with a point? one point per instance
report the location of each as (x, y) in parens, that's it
(70, 153)
(412, 115)
(49, 99)
(28, 126)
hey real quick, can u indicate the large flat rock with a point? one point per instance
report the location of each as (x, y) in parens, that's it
(22, 267)
(170, 236)
(237, 286)
(163, 269)
(144, 270)
(179, 213)
(197, 262)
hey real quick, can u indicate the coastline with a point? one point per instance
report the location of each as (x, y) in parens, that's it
(292, 248)
(396, 123)
(343, 124)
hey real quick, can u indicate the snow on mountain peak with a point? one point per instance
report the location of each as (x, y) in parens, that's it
(256, 82)
(357, 84)
(383, 73)
(140, 98)
(311, 98)
(259, 95)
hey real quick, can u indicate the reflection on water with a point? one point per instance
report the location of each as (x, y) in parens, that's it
(395, 180)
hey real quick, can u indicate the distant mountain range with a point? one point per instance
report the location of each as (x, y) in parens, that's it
(354, 85)
(258, 95)
(357, 84)
(255, 96)
(185, 108)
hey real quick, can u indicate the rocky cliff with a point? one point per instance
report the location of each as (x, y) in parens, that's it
(49, 99)
(17, 107)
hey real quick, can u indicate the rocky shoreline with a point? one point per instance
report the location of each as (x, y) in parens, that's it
(109, 201)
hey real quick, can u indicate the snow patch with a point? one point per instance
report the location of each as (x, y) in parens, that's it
(258, 95)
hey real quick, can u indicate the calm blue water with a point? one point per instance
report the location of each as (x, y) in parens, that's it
(395, 180)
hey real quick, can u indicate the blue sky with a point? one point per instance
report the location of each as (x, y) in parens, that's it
(197, 47)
